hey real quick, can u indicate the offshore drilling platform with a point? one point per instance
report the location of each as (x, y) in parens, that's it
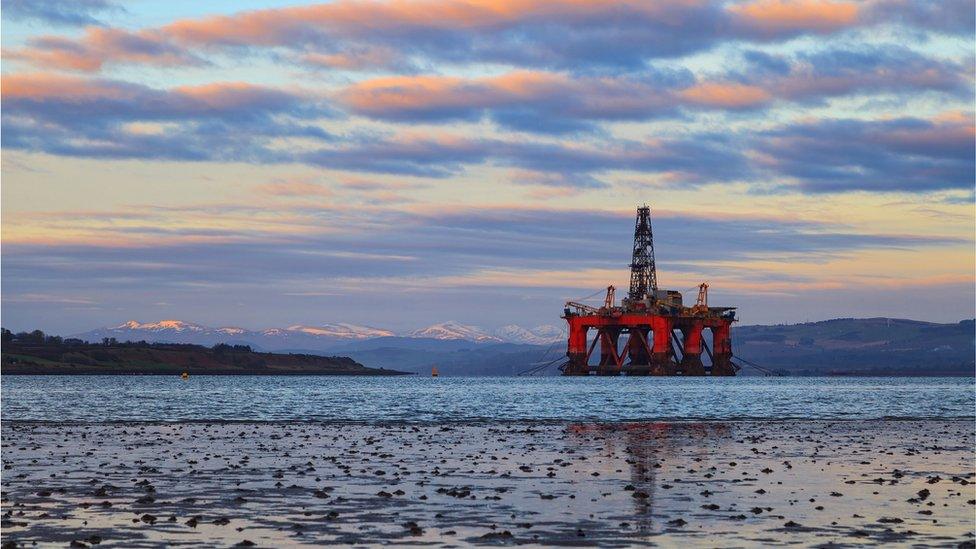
(663, 337)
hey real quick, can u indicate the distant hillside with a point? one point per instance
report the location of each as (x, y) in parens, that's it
(500, 359)
(56, 356)
(861, 346)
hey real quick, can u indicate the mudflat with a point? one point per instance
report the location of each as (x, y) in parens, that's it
(279, 484)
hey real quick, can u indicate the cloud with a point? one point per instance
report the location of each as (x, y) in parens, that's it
(837, 72)
(231, 121)
(551, 102)
(730, 95)
(58, 12)
(350, 246)
(951, 16)
(699, 159)
(561, 34)
(437, 156)
(903, 154)
(100, 45)
(112, 119)
(205, 258)
(235, 121)
(67, 99)
(524, 100)
(296, 187)
(775, 18)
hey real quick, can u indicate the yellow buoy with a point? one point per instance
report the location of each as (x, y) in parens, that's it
(185, 375)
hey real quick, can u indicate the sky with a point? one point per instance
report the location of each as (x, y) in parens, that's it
(400, 163)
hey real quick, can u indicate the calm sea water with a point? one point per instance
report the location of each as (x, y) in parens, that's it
(168, 398)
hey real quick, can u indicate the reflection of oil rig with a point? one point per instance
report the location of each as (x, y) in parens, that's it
(664, 338)
(648, 447)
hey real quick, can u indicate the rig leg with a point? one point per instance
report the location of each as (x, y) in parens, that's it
(609, 360)
(691, 363)
(576, 352)
(722, 351)
(661, 361)
(661, 364)
(638, 350)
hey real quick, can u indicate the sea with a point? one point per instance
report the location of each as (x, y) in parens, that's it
(476, 399)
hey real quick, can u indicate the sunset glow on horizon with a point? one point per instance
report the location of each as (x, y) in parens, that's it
(397, 164)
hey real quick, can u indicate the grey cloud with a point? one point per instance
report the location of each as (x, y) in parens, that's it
(59, 12)
(907, 154)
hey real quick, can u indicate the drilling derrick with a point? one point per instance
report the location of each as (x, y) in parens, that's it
(643, 273)
(651, 332)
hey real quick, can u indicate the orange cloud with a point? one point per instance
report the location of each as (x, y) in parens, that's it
(215, 96)
(352, 17)
(946, 131)
(355, 60)
(783, 16)
(358, 34)
(299, 188)
(417, 93)
(43, 85)
(99, 45)
(729, 95)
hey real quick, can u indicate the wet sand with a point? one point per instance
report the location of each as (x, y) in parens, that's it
(734, 484)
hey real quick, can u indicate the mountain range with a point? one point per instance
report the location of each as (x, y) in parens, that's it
(320, 337)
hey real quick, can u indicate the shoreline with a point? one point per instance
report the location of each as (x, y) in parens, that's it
(556, 422)
(374, 372)
(699, 484)
(385, 372)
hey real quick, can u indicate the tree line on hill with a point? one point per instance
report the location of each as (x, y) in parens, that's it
(39, 338)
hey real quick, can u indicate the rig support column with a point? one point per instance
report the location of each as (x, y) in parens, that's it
(691, 363)
(637, 351)
(661, 363)
(576, 352)
(610, 362)
(722, 350)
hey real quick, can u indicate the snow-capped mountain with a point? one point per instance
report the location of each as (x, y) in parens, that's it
(455, 330)
(293, 337)
(163, 326)
(549, 333)
(318, 337)
(540, 335)
(169, 331)
(342, 330)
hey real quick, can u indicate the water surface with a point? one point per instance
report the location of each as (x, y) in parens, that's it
(341, 398)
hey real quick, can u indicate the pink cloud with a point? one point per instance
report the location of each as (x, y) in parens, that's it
(40, 86)
(728, 95)
(417, 94)
(359, 34)
(296, 187)
(101, 45)
(213, 97)
(783, 17)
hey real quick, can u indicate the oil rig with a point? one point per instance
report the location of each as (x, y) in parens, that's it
(663, 337)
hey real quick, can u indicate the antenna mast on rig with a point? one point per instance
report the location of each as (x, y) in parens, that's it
(643, 274)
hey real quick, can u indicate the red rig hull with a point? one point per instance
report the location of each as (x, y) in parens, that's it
(651, 344)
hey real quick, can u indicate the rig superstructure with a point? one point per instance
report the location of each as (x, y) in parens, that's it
(663, 337)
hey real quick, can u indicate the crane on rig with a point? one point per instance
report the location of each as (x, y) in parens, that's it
(701, 304)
